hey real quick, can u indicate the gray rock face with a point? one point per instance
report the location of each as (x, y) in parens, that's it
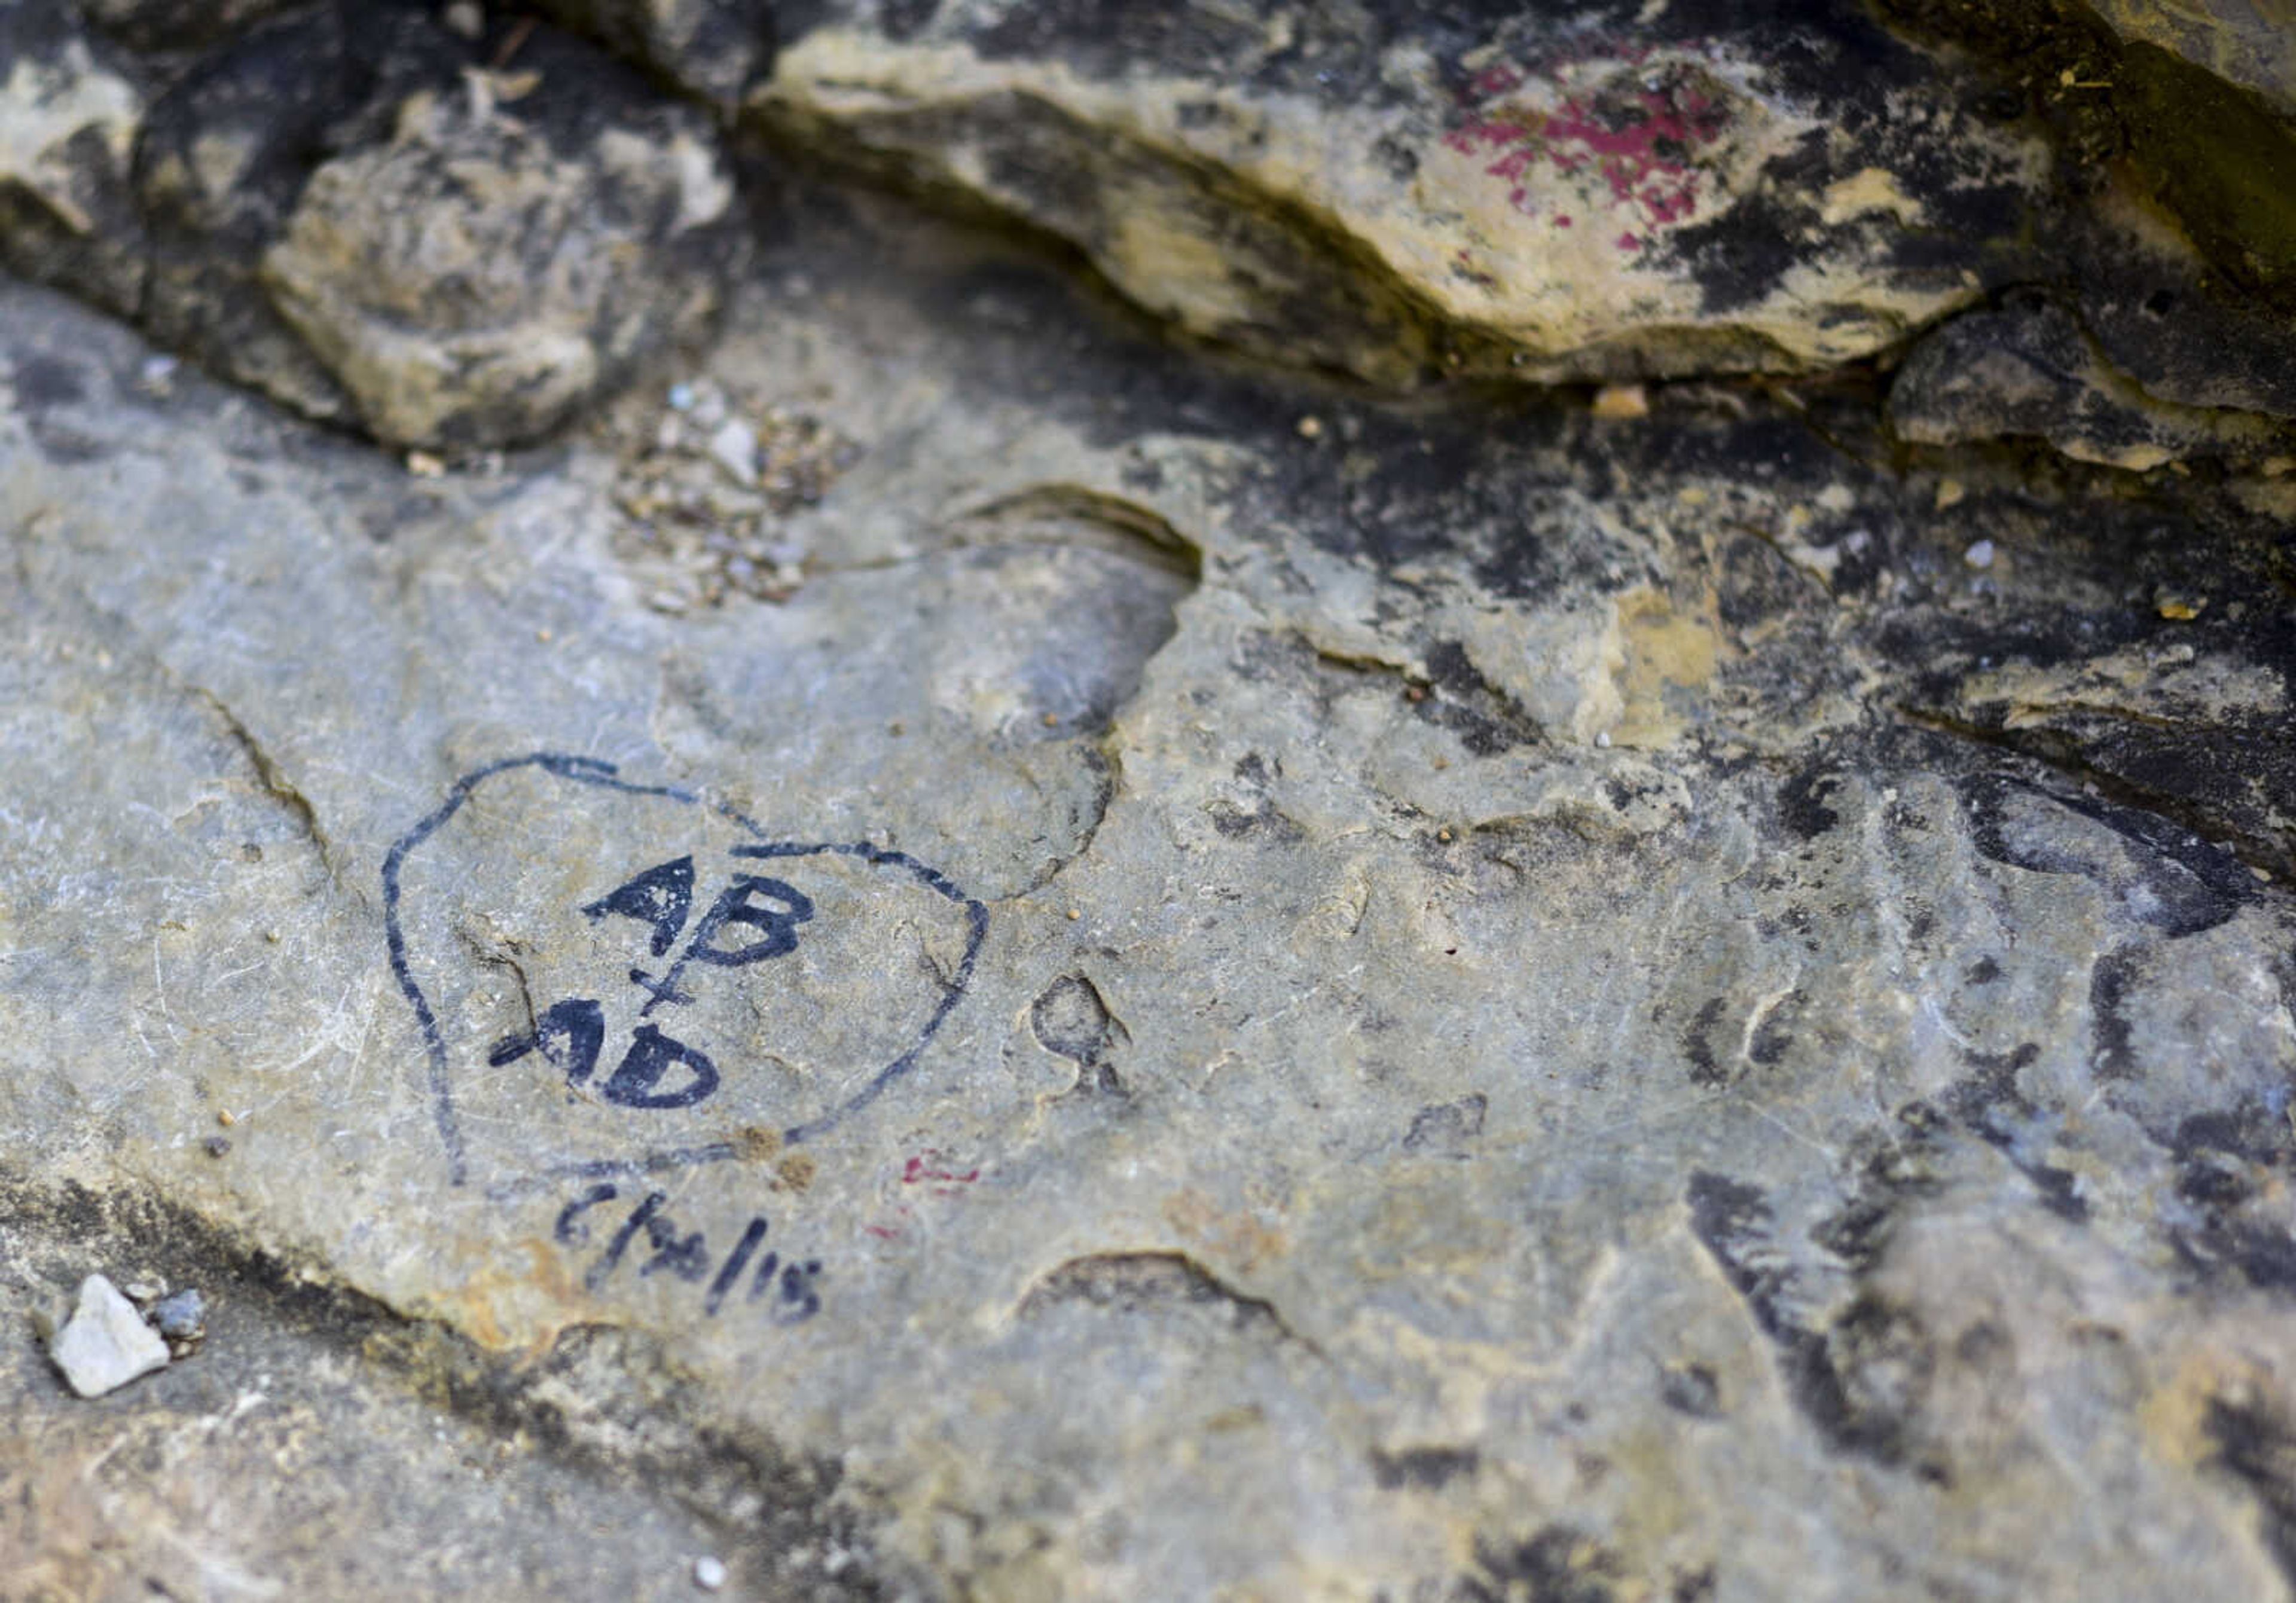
(105, 1344)
(1459, 999)
(956, 951)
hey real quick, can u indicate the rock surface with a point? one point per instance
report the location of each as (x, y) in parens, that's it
(68, 115)
(955, 950)
(513, 250)
(1442, 1003)
(105, 1344)
(452, 243)
(1589, 192)
(2030, 368)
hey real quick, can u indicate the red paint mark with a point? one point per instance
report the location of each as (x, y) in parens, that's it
(928, 1169)
(884, 1232)
(1642, 136)
(1562, 219)
(1628, 241)
(919, 1170)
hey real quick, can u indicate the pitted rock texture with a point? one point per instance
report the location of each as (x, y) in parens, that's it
(1599, 191)
(1565, 1004)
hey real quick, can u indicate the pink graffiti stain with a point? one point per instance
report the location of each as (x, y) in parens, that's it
(928, 1168)
(1642, 140)
(931, 1169)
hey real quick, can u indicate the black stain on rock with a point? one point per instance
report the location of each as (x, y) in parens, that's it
(1425, 1468)
(1559, 1565)
(1698, 1045)
(2256, 1446)
(2113, 1055)
(1691, 1389)
(1445, 1128)
(1801, 802)
(1861, 1383)
(2167, 877)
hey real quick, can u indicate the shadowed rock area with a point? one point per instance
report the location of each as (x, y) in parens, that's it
(1018, 801)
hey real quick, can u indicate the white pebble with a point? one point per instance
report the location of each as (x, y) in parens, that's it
(1979, 555)
(708, 1573)
(105, 1344)
(734, 446)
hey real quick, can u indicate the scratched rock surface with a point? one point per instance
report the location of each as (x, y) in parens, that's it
(1233, 990)
(1566, 192)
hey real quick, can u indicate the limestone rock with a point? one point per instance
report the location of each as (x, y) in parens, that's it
(1556, 194)
(105, 1344)
(2029, 369)
(373, 225)
(226, 153)
(513, 250)
(68, 112)
(1485, 998)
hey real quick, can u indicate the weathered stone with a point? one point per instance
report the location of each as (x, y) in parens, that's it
(226, 153)
(105, 1344)
(2160, 315)
(2029, 369)
(522, 244)
(373, 225)
(1555, 195)
(2197, 102)
(1479, 998)
(68, 109)
(2251, 44)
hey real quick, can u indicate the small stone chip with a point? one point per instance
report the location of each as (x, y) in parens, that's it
(105, 1344)
(1621, 401)
(217, 1145)
(734, 448)
(1311, 427)
(1979, 554)
(183, 1317)
(2181, 608)
(421, 464)
(709, 1573)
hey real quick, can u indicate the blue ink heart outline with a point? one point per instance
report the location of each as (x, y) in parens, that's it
(591, 770)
